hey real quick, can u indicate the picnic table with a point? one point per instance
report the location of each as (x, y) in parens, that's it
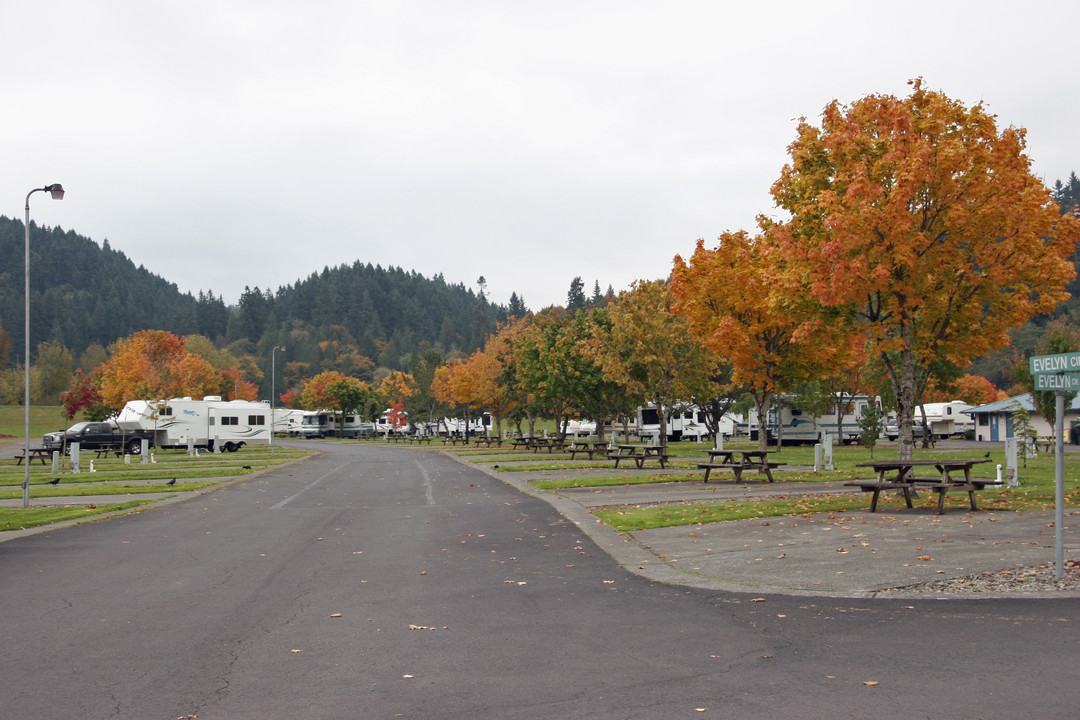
(550, 444)
(38, 453)
(902, 475)
(1046, 444)
(596, 447)
(757, 460)
(488, 440)
(639, 454)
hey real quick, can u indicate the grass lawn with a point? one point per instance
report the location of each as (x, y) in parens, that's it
(1035, 493)
(112, 476)
(43, 419)
(34, 517)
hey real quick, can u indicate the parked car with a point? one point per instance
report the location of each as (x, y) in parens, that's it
(893, 432)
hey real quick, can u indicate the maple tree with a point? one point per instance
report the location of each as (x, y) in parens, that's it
(549, 367)
(746, 309)
(599, 397)
(921, 221)
(84, 395)
(456, 386)
(972, 389)
(235, 387)
(153, 365)
(651, 352)
(490, 367)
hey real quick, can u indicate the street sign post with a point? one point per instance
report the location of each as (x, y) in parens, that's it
(1059, 373)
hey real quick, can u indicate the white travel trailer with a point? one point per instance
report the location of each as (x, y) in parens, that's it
(684, 424)
(208, 423)
(288, 422)
(945, 419)
(800, 426)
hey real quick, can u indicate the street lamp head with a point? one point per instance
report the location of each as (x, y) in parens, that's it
(57, 191)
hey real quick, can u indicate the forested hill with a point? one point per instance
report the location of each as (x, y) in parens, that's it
(82, 293)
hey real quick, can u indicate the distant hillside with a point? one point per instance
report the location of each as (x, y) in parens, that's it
(82, 293)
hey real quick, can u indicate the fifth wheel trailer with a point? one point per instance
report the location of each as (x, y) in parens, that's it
(207, 423)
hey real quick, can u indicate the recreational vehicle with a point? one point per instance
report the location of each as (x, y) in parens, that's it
(684, 423)
(796, 426)
(944, 419)
(328, 423)
(208, 423)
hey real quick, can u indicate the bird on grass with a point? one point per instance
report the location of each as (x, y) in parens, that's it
(171, 482)
(246, 467)
(54, 481)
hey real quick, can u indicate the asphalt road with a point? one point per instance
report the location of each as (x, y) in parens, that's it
(386, 582)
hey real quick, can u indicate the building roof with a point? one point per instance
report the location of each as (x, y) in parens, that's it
(1025, 400)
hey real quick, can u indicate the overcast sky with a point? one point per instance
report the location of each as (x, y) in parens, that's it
(224, 144)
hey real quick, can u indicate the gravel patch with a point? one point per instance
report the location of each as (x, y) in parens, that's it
(1030, 579)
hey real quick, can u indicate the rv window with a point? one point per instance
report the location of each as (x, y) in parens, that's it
(229, 420)
(948, 411)
(256, 419)
(796, 412)
(165, 412)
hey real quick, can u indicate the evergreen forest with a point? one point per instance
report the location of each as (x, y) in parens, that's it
(351, 318)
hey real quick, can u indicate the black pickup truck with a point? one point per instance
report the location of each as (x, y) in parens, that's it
(98, 436)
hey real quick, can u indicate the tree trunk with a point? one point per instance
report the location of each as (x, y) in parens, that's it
(761, 404)
(905, 396)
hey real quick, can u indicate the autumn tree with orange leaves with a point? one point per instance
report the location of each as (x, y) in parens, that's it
(739, 300)
(922, 223)
(651, 352)
(491, 369)
(455, 385)
(151, 365)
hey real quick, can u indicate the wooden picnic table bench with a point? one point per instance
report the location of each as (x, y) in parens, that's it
(1046, 444)
(550, 444)
(589, 448)
(39, 453)
(639, 454)
(906, 481)
(756, 460)
(488, 440)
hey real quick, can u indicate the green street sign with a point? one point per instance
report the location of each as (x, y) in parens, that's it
(1050, 364)
(1057, 382)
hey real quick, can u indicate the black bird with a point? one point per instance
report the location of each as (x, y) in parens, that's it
(171, 482)
(246, 467)
(54, 481)
(986, 455)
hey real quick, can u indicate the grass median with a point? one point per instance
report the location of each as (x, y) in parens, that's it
(1035, 493)
(113, 476)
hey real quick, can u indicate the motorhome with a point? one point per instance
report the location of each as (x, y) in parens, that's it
(328, 423)
(797, 426)
(208, 423)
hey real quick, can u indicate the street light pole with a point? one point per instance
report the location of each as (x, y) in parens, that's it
(273, 378)
(57, 192)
